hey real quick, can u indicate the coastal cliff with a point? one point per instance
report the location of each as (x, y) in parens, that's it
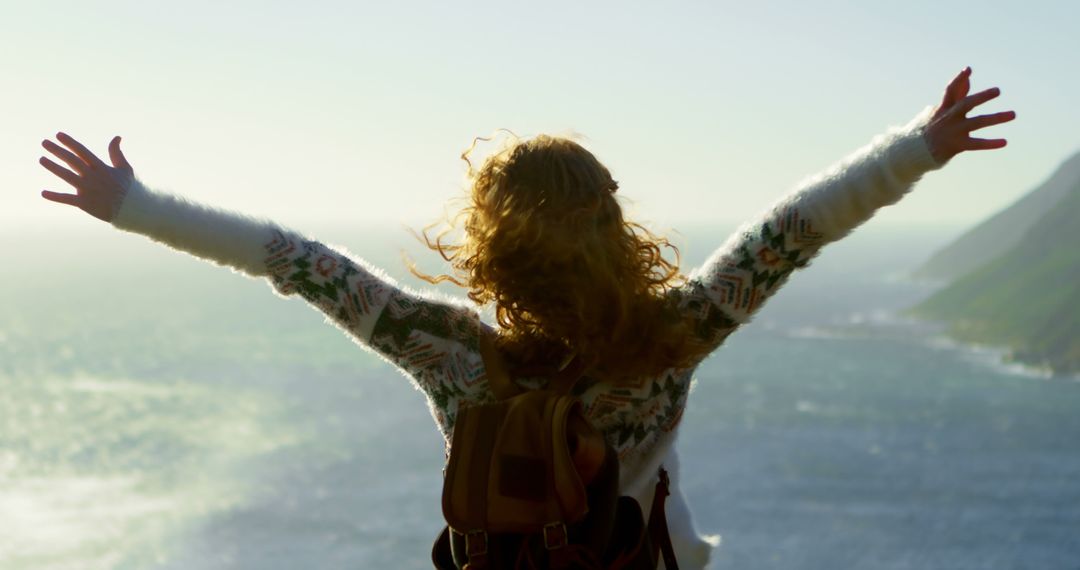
(999, 233)
(1026, 297)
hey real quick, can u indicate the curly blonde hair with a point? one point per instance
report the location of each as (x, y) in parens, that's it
(545, 241)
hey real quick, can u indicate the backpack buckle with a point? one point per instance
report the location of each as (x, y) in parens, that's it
(476, 549)
(555, 535)
(476, 543)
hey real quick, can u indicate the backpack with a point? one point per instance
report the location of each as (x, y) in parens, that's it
(530, 483)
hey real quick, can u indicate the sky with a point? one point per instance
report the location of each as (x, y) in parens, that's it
(357, 112)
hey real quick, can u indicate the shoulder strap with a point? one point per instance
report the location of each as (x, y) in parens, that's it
(498, 378)
(658, 528)
(568, 376)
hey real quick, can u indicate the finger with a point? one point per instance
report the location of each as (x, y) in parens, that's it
(64, 174)
(117, 155)
(957, 88)
(69, 199)
(83, 152)
(984, 144)
(983, 121)
(77, 164)
(972, 101)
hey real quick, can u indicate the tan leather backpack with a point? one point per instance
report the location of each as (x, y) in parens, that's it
(529, 483)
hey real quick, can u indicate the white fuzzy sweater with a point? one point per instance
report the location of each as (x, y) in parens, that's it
(434, 342)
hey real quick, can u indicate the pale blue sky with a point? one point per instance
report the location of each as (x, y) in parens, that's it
(311, 111)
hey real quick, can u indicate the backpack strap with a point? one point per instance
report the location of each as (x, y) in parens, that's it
(567, 377)
(658, 529)
(498, 378)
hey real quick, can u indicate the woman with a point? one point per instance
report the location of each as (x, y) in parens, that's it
(546, 244)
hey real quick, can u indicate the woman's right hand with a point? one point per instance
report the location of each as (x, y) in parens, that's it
(949, 131)
(99, 188)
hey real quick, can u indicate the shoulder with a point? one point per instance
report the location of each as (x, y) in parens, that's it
(635, 415)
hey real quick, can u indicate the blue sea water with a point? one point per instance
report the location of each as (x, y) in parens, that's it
(158, 412)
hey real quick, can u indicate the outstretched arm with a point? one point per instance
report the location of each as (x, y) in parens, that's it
(433, 341)
(113, 194)
(752, 265)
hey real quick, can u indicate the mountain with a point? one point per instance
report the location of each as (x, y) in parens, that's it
(1027, 298)
(999, 233)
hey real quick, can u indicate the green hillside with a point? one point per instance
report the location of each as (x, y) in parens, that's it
(1000, 232)
(1027, 298)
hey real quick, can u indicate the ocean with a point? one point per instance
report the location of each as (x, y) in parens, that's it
(159, 412)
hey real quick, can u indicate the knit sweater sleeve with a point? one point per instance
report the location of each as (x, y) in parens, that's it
(433, 341)
(757, 260)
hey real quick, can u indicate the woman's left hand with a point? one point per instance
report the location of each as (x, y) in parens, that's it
(949, 131)
(99, 188)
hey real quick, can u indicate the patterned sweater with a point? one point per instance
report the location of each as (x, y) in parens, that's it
(434, 341)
